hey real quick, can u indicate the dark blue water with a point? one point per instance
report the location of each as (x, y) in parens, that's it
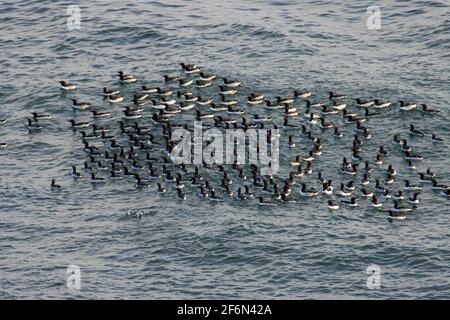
(197, 248)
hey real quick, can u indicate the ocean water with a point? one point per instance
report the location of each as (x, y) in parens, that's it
(232, 249)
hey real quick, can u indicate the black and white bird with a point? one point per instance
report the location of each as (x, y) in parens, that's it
(67, 86)
(414, 131)
(55, 186)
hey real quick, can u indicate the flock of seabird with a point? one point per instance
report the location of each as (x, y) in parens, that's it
(137, 146)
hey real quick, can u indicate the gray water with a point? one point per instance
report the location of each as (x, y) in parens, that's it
(197, 248)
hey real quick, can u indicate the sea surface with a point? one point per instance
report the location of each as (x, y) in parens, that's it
(199, 249)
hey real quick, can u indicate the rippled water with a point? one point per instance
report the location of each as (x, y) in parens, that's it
(196, 248)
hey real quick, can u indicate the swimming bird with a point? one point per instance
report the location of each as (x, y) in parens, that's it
(75, 174)
(411, 165)
(214, 197)
(40, 116)
(157, 105)
(168, 101)
(230, 110)
(290, 111)
(147, 90)
(78, 125)
(324, 124)
(291, 142)
(139, 98)
(141, 183)
(396, 215)
(190, 67)
(405, 146)
(366, 193)
(255, 99)
(410, 156)
(308, 193)
(265, 202)
(126, 78)
(348, 114)
(375, 203)
(302, 93)
(428, 110)
(231, 83)
(188, 97)
(228, 102)
(352, 170)
(367, 167)
(327, 188)
(414, 131)
(383, 151)
(185, 106)
(369, 114)
(380, 104)
(350, 185)
(332, 205)
(206, 77)
(336, 96)
(185, 82)
(329, 111)
(80, 105)
(398, 195)
(168, 78)
(163, 92)
(97, 129)
(204, 101)
(339, 106)
(314, 104)
(397, 140)
(161, 189)
(359, 127)
(201, 116)
(407, 106)
(115, 98)
(391, 170)
(398, 208)
(439, 187)
(343, 192)
(414, 198)
(349, 203)
(365, 180)
(312, 120)
(436, 139)
(55, 186)
(272, 106)
(202, 83)
(364, 103)
(378, 188)
(424, 178)
(97, 114)
(284, 100)
(337, 133)
(224, 90)
(67, 85)
(430, 173)
(115, 175)
(109, 92)
(356, 157)
(310, 156)
(130, 115)
(411, 187)
(386, 194)
(258, 118)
